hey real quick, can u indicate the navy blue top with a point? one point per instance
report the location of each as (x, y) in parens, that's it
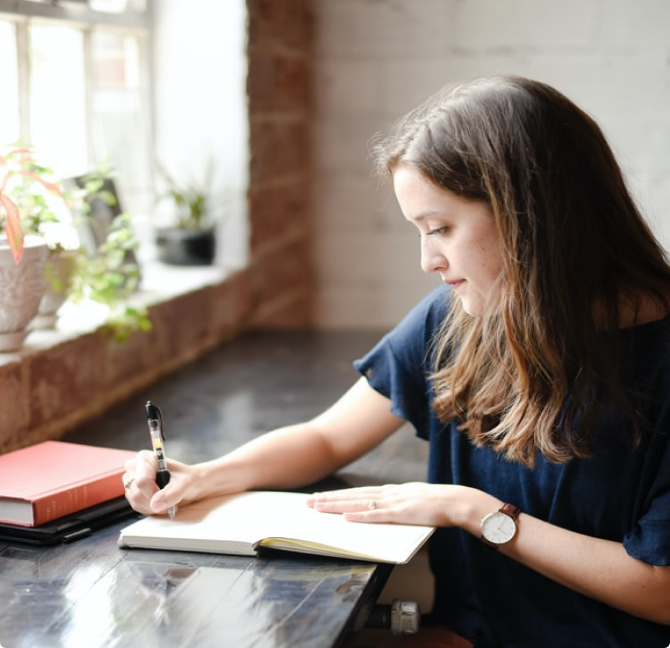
(621, 493)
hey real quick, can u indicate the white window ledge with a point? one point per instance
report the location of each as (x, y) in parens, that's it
(160, 283)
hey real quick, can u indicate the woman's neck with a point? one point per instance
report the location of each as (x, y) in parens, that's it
(633, 311)
(647, 309)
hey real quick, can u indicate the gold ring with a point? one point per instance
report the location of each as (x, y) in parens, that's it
(372, 505)
(128, 482)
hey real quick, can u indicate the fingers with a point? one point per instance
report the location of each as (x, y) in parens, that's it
(141, 490)
(410, 503)
(165, 499)
(369, 504)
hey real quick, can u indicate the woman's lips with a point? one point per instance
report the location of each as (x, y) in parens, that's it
(455, 284)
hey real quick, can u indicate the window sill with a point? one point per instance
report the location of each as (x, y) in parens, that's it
(160, 284)
(65, 376)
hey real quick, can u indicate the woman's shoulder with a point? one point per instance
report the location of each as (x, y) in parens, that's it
(430, 312)
(409, 343)
(650, 338)
(646, 360)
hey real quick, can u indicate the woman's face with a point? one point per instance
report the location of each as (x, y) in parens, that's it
(459, 239)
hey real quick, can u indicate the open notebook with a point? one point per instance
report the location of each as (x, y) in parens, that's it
(244, 523)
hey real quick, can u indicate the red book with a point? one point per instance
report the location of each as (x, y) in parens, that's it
(48, 480)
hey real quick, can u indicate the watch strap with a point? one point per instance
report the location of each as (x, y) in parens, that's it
(511, 510)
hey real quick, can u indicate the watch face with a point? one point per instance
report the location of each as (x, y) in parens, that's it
(498, 527)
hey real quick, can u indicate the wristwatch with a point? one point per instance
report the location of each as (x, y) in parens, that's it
(499, 528)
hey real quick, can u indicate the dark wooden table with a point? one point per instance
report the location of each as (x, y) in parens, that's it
(92, 594)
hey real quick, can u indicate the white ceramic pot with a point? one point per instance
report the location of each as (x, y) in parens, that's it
(21, 289)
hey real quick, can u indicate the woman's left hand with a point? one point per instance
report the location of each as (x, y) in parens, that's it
(410, 503)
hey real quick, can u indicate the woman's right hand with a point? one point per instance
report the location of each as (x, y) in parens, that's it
(144, 495)
(285, 458)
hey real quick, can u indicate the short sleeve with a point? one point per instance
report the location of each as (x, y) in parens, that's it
(649, 539)
(649, 536)
(399, 366)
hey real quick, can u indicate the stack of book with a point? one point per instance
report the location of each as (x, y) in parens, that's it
(57, 491)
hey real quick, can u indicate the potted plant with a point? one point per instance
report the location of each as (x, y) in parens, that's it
(50, 215)
(37, 207)
(110, 278)
(22, 258)
(106, 270)
(192, 239)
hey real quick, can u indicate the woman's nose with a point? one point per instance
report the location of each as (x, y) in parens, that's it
(432, 258)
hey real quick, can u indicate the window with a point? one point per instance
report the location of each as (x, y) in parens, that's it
(74, 84)
(10, 127)
(134, 83)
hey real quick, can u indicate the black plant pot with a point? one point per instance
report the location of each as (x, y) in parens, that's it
(178, 246)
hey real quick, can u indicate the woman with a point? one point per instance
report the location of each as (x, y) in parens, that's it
(539, 373)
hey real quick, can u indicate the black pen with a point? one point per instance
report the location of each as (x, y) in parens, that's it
(155, 420)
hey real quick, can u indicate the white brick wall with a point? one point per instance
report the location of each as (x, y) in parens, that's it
(376, 59)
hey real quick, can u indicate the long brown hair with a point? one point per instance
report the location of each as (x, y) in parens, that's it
(532, 373)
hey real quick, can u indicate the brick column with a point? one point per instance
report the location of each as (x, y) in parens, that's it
(278, 86)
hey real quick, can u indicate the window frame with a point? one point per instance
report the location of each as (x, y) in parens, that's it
(77, 12)
(132, 23)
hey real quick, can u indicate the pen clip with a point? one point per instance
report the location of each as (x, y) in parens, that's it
(160, 422)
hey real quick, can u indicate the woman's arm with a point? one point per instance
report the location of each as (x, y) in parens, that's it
(288, 457)
(600, 569)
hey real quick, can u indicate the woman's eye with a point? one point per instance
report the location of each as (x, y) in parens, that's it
(437, 231)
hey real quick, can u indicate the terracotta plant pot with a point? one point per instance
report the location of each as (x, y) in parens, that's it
(21, 288)
(178, 246)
